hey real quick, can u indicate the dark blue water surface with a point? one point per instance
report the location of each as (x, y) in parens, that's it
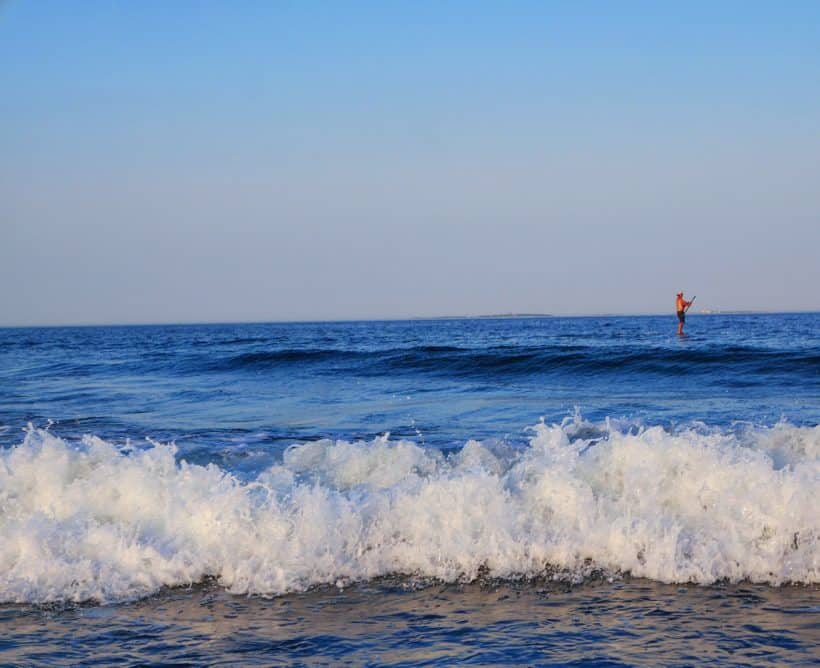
(439, 381)
(237, 395)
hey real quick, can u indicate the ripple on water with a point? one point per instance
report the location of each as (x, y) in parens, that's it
(392, 622)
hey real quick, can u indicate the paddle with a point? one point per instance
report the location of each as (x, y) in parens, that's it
(691, 301)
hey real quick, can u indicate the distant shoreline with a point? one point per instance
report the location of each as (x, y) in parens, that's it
(490, 316)
(719, 312)
(503, 316)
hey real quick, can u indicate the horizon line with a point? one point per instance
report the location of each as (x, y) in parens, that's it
(493, 316)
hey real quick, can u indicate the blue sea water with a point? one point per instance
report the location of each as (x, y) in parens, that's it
(490, 490)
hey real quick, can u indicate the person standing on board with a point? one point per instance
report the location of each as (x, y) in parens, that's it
(682, 306)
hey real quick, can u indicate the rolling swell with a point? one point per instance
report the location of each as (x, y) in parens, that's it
(267, 359)
(516, 360)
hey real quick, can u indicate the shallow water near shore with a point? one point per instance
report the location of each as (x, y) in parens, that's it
(396, 623)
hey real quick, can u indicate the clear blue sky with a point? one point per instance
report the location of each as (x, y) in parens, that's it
(173, 162)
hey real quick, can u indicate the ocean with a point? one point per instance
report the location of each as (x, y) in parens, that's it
(511, 491)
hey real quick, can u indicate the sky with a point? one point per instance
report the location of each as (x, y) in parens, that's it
(250, 161)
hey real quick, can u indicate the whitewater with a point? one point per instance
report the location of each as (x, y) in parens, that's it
(92, 520)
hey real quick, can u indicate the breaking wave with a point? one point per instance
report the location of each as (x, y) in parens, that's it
(96, 521)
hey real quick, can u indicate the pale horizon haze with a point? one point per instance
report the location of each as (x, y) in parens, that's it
(208, 162)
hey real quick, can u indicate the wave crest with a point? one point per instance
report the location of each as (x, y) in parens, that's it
(93, 521)
(745, 362)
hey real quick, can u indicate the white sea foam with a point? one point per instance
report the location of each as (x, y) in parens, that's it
(90, 520)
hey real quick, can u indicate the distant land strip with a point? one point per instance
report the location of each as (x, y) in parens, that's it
(488, 316)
